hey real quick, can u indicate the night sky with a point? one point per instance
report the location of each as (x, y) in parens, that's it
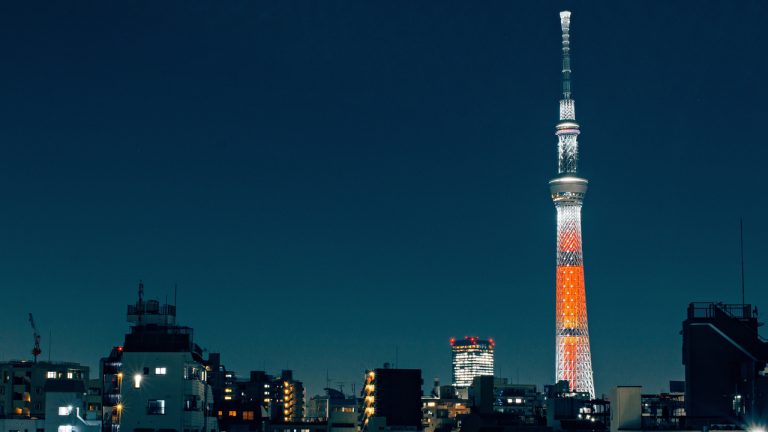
(337, 184)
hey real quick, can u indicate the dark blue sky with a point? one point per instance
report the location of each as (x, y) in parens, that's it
(329, 182)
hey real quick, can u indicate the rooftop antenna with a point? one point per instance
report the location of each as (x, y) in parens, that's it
(741, 245)
(397, 355)
(140, 305)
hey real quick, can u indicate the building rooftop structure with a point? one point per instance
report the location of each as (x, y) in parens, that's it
(725, 362)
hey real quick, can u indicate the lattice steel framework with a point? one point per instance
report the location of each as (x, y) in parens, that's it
(573, 358)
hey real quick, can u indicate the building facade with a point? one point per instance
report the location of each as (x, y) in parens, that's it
(22, 385)
(164, 385)
(725, 365)
(287, 399)
(392, 399)
(471, 357)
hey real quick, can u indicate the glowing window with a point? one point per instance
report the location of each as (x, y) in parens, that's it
(65, 410)
(156, 407)
(160, 371)
(50, 374)
(233, 413)
(69, 375)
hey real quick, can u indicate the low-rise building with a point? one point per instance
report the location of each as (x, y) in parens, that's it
(22, 385)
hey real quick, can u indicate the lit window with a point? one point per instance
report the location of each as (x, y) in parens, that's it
(69, 375)
(233, 413)
(227, 397)
(65, 410)
(156, 407)
(137, 381)
(247, 415)
(50, 374)
(160, 371)
(65, 429)
(227, 390)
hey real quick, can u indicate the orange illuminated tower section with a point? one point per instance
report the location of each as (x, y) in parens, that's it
(573, 357)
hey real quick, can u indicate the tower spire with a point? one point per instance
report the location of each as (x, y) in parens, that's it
(573, 361)
(565, 25)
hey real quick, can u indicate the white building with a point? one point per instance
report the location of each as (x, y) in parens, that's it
(164, 388)
(65, 408)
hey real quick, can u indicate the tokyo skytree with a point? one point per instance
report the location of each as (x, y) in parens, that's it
(573, 358)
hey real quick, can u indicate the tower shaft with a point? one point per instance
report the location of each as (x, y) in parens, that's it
(573, 357)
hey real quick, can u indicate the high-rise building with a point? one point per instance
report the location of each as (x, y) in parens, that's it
(573, 357)
(472, 357)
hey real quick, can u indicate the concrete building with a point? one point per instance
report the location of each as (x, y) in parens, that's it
(575, 411)
(392, 399)
(631, 409)
(287, 399)
(320, 407)
(520, 400)
(22, 385)
(725, 365)
(164, 386)
(111, 372)
(236, 404)
(66, 407)
(20, 424)
(626, 408)
(440, 411)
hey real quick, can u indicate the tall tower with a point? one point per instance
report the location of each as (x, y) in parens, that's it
(574, 360)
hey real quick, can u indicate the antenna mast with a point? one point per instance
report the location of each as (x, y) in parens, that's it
(741, 246)
(565, 25)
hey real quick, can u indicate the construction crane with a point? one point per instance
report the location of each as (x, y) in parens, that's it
(36, 349)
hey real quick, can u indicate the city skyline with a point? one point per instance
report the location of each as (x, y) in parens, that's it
(285, 172)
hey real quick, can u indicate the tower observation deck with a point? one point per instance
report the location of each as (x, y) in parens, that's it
(573, 357)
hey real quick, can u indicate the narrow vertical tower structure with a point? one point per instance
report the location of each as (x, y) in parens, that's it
(573, 357)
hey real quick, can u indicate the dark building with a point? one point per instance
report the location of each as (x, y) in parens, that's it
(664, 411)
(238, 404)
(725, 365)
(575, 411)
(287, 399)
(393, 395)
(111, 371)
